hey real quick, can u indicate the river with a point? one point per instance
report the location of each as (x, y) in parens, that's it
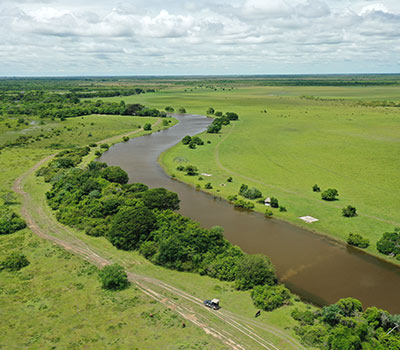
(316, 268)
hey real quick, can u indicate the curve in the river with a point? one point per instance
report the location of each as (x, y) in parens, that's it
(316, 268)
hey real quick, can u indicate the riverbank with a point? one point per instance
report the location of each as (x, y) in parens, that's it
(218, 160)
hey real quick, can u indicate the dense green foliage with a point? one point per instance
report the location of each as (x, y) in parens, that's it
(270, 298)
(357, 240)
(345, 326)
(390, 243)
(217, 124)
(249, 193)
(14, 262)
(349, 211)
(330, 194)
(10, 222)
(113, 277)
(134, 217)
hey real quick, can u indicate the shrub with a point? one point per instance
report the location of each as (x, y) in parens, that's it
(330, 194)
(349, 211)
(197, 140)
(214, 128)
(104, 146)
(240, 203)
(10, 222)
(229, 179)
(232, 116)
(180, 168)
(160, 198)
(357, 240)
(254, 270)
(182, 110)
(14, 262)
(268, 213)
(92, 144)
(113, 277)
(304, 317)
(125, 138)
(389, 243)
(147, 127)
(210, 111)
(252, 193)
(208, 186)
(170, 109)
(270, 298)
(274, 203)
(186, 140)
(218, 114)
(191, 170)
(282, 209)
(316, 188)
(192, 145)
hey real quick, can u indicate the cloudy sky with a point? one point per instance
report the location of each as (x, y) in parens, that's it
(163, 37)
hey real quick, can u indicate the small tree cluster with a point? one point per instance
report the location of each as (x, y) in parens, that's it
(269, 298)
(330, 194)
(357, 240)
(192, 142)
(191, 170)
(316, 188)
(147, 127)
(349, 211)
(389, 244)
(10, 222)
(249, 193)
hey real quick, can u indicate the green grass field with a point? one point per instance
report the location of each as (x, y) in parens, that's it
(299, 142)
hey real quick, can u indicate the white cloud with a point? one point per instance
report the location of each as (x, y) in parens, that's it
(202, 37)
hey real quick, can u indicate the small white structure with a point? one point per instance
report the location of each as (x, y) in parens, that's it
(205, 174)
(308, 219)
(267, 202)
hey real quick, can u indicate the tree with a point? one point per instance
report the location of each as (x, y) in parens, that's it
(316, 188)
(115, 174)
(182, 110)
(274, 202)
(147, 127)
(113, 277)
(191, 170)
(197, 140)
(170, 109)
(349, 307)
(210, 111)
(192, 144)
(357, 240)
(254, 270)
(389, 243)
(229, 179)
(214, 128)
(232, 116)
(330, 194)
(349, 211)
(160, 198)
(186, 140)
(131, 226)
(270, 298)
(208, 186)
(14, 262)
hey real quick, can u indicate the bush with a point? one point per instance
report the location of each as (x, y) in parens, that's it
(210, 111)
(113, 277)
(104, 146)
(229, 179)
(180, 168)
(389, 243)
(125, 138)
(170, 109)
(349, 211)
(10, 222)
(197, 141)
(282, 209)
(270, 298)
(316, 188)
(92, 144)
(304, 317)
(357, 240)
(14, 262)
(182, 110)
(191, 170)
(208, 186)
(160, 198)
(186, 140)
(252, 193)
(192, 145)
(254, 270)
(330, 194)
(147, 127)
(274, 203)
(240, 203)
(268, 213)
(232, 116)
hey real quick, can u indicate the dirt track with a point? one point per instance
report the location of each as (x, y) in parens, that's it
(187, 304)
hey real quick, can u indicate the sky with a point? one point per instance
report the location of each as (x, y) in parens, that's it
(202, 37)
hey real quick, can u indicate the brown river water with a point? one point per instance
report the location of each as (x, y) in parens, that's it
(316, 268)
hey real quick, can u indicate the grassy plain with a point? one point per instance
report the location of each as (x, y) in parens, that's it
(330, 140)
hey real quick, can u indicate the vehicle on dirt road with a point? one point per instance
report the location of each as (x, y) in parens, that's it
(212, 304)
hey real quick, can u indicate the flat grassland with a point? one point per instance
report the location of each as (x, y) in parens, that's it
(290, 138)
